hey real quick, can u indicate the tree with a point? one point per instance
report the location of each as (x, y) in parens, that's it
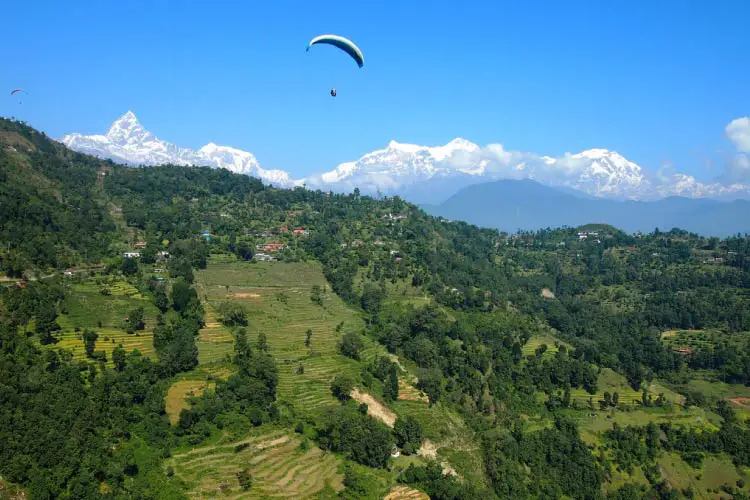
(245, 479)
(315, 295)
(45, 317)
(431, 382)
(308, 337)
(182, 295)
(118, 358)
(408, 434)
(352, 345)
(129, 267)
(160, 300)
(262, 342)
(341, 387)
(89, 341)
(615, 398)
(232, 314)
(390, 389)
(242, 352)
(372, 298)
(135, 319)
(244, 251)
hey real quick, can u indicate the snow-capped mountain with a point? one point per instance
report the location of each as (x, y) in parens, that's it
(421, 174)
(426, 174)
(128, 142)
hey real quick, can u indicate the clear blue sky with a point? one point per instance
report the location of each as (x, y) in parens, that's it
(654, 80)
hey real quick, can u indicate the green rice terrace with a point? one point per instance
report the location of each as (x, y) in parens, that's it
(103, 305)
(276, 297)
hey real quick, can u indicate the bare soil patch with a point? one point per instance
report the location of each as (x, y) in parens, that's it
(429, 450)
(245, 295)
(402, 492)
(375, 408)
(547, 293)
(744, 402)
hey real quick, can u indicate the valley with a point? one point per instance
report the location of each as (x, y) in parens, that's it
(261, 342)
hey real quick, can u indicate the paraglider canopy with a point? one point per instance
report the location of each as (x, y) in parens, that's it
(342, 43)
(13, 92)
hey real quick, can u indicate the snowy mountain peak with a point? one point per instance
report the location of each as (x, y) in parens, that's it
(461, 143)
(126, 128)
(127, 141)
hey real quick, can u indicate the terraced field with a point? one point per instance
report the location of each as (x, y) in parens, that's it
(276, 297)
(86, 307)
(610, 381)
(530, 347)
(279, 468)
(179, 392)
(109, 339)
(215, 341)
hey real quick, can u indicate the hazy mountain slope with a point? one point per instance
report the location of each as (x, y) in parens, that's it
(526, 204)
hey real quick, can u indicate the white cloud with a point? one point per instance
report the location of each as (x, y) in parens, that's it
(738, 132)
(737, 168)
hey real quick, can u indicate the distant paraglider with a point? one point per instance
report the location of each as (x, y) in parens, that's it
(16, 91)
(342, 43)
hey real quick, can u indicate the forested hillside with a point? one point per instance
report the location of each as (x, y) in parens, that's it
(288, 342)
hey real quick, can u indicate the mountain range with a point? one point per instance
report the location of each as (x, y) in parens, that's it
(129, 143)
(421, 174)
(510, 205)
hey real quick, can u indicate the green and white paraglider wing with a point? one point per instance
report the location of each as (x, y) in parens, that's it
(342, 43)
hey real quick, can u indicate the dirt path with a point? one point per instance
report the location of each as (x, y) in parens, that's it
(374, 407)
(429, 451)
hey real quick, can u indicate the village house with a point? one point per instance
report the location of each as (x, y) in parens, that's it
(301, 231)
(683, 350)
(283, 229)
(271, 247)
(131, 255)
(68, 272)
(140, 244)
(357, 243)
(379, 243)
(263, 257)
(390, 216)
(21, 284)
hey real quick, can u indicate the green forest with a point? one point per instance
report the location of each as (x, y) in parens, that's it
(375, 352)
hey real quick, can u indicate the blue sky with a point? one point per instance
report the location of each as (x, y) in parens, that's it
(653, 80)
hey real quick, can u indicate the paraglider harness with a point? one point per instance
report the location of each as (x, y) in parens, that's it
(333, 92)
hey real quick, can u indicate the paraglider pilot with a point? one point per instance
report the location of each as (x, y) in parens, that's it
(333, 92)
